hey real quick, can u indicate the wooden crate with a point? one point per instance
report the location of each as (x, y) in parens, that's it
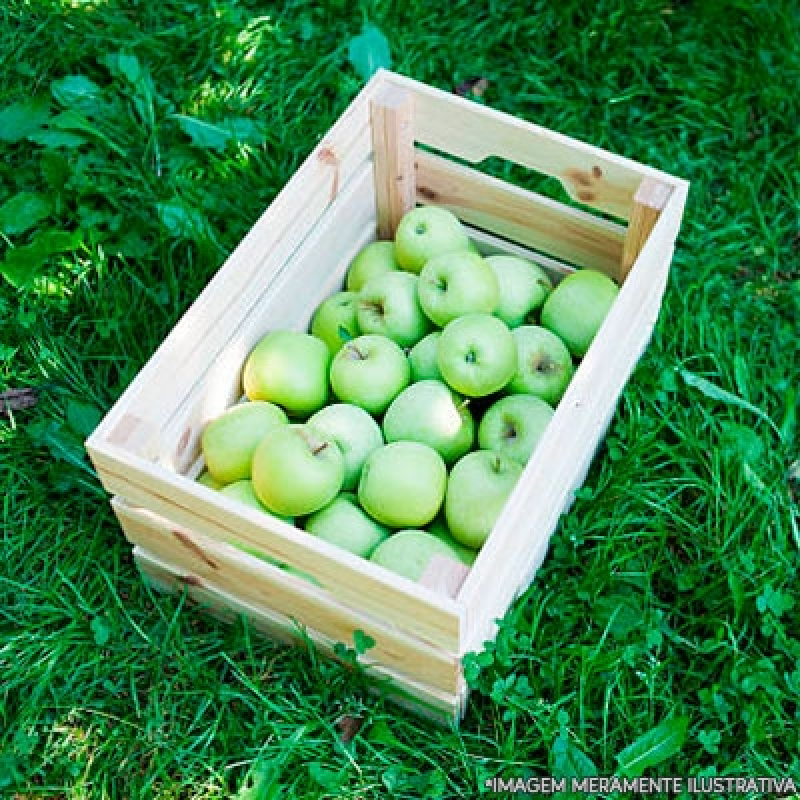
(400, 142)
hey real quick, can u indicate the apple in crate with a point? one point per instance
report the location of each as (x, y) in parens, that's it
(289, 368)
(544, 364)
(356, 433)
(344, 523)
(523, 287)
(388, 304)
(422, 358)
(476, 354)
(577, 307)
(425, 232)
(297, 470)
(403, 484)
(430, 412)
(454, 284)
(479, 486)
(372, 259)
(334, 320)
(230, 439)
(370, 371)
(409, 552)
(513, 425)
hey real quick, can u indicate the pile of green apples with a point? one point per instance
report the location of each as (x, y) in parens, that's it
(397, 426)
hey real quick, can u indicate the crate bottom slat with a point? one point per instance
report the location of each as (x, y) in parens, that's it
(444, 707)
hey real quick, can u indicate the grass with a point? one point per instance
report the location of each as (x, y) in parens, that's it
(665, 617)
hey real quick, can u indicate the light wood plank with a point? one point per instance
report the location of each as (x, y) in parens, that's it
(265, 586)
(443, 708)
(522, 216)
(650, 200)
(393, 152)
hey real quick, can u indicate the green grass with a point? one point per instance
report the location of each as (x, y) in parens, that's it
(669, 592)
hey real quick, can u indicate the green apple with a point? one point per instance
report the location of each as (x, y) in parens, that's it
(370, 371)
(372, 259)
(457, 283)
(334, 320)
(479, 485)
(422, 358)
(243, 492)
(402, 484)
(513, 425)
(289, 368)
(297, 470)
(230, 439)
(207, 479)
(409, 552)
(577, 307)
(439, 529)
(544, 364)
(427, 231)
(388, 304)
(523, 285)
(356, 433)
(430, 412)
(344, 523)
(476, 354)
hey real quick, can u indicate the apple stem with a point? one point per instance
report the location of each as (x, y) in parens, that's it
(319, 448)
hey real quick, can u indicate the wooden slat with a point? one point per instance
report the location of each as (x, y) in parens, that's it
(520, 215)
(264, 586)
(649, 201)
(393, 149)
(513, 552)
(474, 132)
(444, 708)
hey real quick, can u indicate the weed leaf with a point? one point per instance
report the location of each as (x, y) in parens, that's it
(21, 264)
(180, 221)
(653, 747)
(72, 120)
(76, 91)
(216, 136)
(101, 630)
(714, 392)
(20, 120)
(53, 139)
(23, 211)
(369, 51)
(82, 417)
(569, 761)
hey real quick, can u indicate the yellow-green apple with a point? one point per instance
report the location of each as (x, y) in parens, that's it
(388, 304)
(523, 286)
(370, 371)
(207, 479)
(544, 364)
(356, 433)
(422, 358)
(476, 354)
(513, 425)
(429, 411)
(289, 368)
(297, 470)
(372, 259)
(427, 231)
(344, 523)
(243, 492)
(230, 439)
(577, 307)
(402, 484)
(457, 283)
(409, 552)
(334, 320)
(479, 485)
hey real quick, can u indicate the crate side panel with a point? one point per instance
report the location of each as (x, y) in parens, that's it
(253, 264)
(442, 707)
(564, 454)
(460, 127)
(519, 215)
(266, 586)
(353, 580)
